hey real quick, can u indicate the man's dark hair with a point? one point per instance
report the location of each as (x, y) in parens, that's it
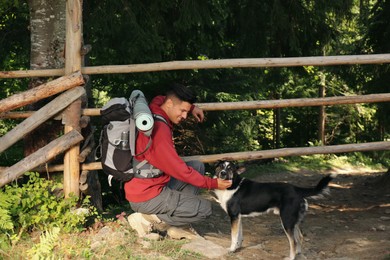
(181, 92)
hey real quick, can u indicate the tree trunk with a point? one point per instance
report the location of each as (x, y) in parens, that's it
(47, 26)
(277, 124)
(322, 115)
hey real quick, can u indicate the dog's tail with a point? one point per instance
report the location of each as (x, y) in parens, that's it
(321, 188)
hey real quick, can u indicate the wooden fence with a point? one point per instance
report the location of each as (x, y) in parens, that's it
(71, 84)
(71, 79)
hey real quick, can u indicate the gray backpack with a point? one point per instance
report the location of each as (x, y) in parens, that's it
(122, 121)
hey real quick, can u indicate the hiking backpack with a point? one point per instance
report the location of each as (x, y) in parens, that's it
(122, 121)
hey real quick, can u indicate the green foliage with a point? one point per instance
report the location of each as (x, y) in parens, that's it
(14, 42)
(168, 30)
(158, 31)
(6, 224)
(44, 249)
(35, 206)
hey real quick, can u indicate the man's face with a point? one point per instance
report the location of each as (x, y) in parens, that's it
(177, 110)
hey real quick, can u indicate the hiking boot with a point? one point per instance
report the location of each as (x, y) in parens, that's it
(157, 224)
(145, 223)
(182, 233)
(140, 224)
(161, 227)
(151, 218)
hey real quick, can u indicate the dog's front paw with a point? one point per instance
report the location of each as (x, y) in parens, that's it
(297, 257)
(300, 256)
(230, 253)
(233, 249)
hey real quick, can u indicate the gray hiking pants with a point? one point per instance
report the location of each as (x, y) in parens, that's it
(178, 204)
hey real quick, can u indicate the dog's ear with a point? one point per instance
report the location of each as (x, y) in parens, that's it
(241, 169)
(217, 163)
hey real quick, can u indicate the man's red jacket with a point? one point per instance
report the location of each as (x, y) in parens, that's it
(162, 155)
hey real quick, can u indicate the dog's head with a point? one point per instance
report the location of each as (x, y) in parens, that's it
(227, 170)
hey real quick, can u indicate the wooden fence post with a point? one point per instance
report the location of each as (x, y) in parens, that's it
(73, 113)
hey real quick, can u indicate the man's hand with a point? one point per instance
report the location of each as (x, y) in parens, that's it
(223, 184)
(197, 112)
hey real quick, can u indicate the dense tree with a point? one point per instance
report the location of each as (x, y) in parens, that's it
(130, 32)
(378, 39)
(14, 55)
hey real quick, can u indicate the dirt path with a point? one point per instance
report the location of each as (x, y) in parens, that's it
(352, 223)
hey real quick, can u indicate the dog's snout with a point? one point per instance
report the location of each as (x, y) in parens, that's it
(223, 174)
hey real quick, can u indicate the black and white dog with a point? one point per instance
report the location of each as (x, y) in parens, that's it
(249, 198)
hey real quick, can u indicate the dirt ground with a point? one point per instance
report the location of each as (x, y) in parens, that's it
(353, 222)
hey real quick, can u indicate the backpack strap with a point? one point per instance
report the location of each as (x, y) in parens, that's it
(134, 133)
(98, 149)
(160, 118)
(144, 169)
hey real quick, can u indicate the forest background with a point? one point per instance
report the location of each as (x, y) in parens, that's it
(134, 32)
(139, 32)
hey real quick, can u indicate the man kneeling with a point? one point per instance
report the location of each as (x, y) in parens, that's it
(172, 198)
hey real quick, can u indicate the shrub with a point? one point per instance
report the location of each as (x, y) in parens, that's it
(34, 207)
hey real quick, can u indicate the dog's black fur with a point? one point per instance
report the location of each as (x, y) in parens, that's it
(249, 198)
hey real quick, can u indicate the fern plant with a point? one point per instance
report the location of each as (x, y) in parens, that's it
(35, 206)
(6, 224)
(44, 249)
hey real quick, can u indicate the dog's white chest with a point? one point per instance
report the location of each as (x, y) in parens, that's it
(223, 196)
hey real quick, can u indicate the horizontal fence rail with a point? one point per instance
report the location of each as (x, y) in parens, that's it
(210, 64)
(242, 105)
(253, 155)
